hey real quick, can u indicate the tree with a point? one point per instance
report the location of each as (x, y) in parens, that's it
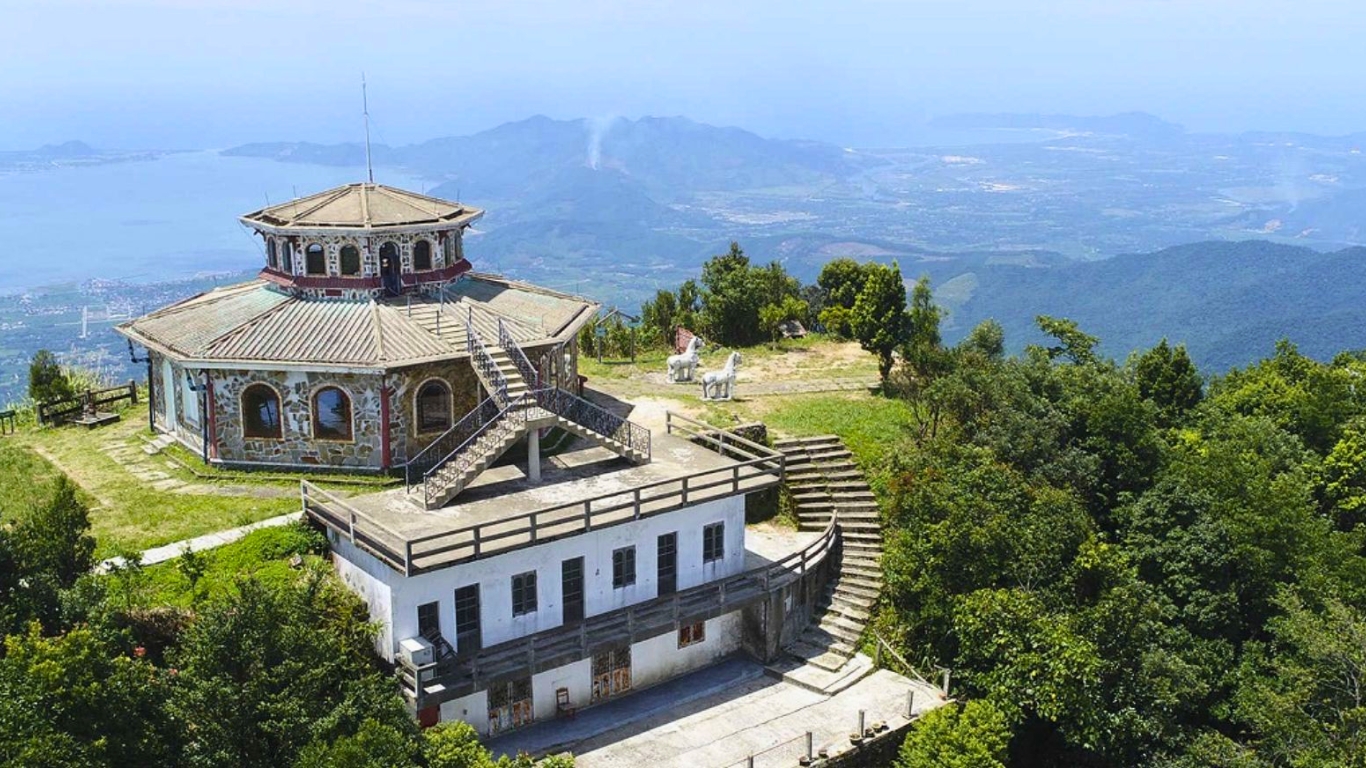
(975, 735)
(1344, 471)
(923, 351)
(842, 280)
(772, 316)
(1167, 377)
(374, 745)
(1078, 347)
(454, 745)
(77, 700)
(46, 381)
(987, 339)
(879, 314)
(659, 318)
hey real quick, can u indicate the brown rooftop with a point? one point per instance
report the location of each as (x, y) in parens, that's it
(255, 324)
(362, 206)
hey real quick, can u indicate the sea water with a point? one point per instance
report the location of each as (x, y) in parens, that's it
(149, 220)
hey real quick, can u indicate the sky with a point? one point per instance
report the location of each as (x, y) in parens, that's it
(184, 74)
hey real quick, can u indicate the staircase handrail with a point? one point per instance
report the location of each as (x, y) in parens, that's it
(484, 364)
(513, 414)
(881, 646)
(595, 418)
(514, 350)
(440, 449)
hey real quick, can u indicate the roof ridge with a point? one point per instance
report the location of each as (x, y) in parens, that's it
(337, 194)
(211, 343)
(404, 198)
(379, 330)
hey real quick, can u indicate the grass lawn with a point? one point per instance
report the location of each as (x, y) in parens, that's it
(127, 512)
(263, 554)
(871, 425)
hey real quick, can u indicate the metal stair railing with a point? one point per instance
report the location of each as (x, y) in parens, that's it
(596, 419)
(530, 375)
(445, 444)
(512, 418)
(484, 365)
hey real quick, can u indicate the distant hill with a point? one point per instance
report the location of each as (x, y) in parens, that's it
(1229, 302)
(666, 156)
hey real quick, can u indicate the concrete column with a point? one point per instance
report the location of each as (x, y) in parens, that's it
(533, 455)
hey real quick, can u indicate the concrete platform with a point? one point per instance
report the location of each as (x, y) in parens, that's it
(719, 716)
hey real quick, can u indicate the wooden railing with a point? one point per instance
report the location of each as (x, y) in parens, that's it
(469, 671)
(459, 545)
(62, 411)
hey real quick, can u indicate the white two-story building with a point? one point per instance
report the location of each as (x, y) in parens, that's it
(538, 592)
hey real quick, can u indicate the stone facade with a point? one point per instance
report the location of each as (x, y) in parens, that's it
(447, 248)
(297, 444)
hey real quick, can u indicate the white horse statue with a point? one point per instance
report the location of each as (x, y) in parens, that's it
(683, 367)
(720, 385)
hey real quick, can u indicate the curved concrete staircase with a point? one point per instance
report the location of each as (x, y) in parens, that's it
(824, 481)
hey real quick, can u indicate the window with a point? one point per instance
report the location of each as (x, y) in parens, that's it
(524, 593)
(260, 412)
(689, 634)
(611, 672)
(428, 621)
(350, 260)
(331, 415)
(315, 263)
(713, 542)
(623, 567)
(422, 255)
(272, 258)
(287, 258)
(434, 407)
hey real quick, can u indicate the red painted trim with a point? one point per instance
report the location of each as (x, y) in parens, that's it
(384, 426)
(213, 422)
(445, 274)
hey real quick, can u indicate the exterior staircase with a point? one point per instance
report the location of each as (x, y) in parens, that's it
(824, 481)
(452, 461)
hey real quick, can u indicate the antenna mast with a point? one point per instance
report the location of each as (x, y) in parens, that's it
(365, 112)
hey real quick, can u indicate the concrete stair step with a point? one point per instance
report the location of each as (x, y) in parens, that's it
(850, 591)
(819, 638)
(845, 630)
(855, 612)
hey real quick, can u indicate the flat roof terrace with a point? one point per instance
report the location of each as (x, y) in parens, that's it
(579, 490)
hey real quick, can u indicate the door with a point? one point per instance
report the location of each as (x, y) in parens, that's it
(467, 635)
(667, 558)
(389, 268)
(571, 583)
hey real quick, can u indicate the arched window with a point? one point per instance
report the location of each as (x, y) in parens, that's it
(287, 258)
(422, 255)
(271, 258)
(315, 263)
(331, 414)
(350, 260)
(260, 412)
(434, 407)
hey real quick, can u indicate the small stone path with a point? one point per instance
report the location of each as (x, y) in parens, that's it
(200, 543)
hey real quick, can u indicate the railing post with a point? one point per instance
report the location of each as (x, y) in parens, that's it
(407, 558)
(685, 490)
(910, 704)
(533, 527)
(476, 541)
(735, 478)
(808, 746)
(947, 673)
(860, 722)
(636, 493)
(352, 516)
(877, 652)
(588, 514)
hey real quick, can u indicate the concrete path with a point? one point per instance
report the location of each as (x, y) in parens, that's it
(199, 543)
(720, 716)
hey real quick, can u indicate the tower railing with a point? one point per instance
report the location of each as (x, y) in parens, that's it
(484, 364)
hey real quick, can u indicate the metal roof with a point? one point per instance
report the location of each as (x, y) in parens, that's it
(362, 206)
(257, 325)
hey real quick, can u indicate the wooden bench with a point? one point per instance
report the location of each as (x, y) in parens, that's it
(8, 425)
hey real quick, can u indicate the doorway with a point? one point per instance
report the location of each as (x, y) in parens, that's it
(667, 559)
(467, 635)
(571, 583)
(389, 269)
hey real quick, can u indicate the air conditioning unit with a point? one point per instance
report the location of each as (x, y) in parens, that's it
(416, 651)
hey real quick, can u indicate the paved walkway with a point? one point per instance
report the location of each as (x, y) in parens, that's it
(718, 717)
(199, 543)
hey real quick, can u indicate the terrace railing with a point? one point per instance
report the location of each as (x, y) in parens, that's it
(453, 468)
(595, 418)
(440, 449)
(544, 649)
(555, 521)
(529, 373)
(484, 365)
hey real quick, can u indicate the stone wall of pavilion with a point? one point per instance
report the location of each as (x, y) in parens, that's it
(296, 444)
(466, 392)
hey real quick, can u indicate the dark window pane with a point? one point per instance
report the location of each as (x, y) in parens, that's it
(315, 263)
(350, 260)
(713, 542)
(260, 411)
(422, 255)
(434, 407)
(623, 567)
(523, 593)
(331, 415)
